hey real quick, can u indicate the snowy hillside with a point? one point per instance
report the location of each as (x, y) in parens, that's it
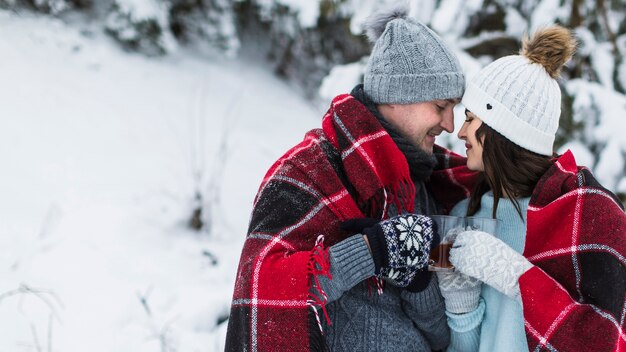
(98, 150)
(103, 148)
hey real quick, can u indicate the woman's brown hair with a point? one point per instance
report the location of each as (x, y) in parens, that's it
(510, 170)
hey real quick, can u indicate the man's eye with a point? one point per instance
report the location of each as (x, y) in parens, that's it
(441, 108)
(468, 120)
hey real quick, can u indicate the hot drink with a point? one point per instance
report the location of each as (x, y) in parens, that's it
(439, 256)
(448, 227)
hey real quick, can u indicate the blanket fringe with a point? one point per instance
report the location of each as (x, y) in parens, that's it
(401, 194)
(319, 265)
(376, 282)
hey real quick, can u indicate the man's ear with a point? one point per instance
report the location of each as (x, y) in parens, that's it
(385, 110)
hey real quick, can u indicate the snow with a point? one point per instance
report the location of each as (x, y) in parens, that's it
(607, 129)
(621, 71)
(615, 19)
(586, 41)
(130, 13)
(621, 187)
(446, 15)
(483, 36)
(583, 156)
(515, 23)
(102, 152)
(341, 79)
(308, 11)
(545, 13)
(611, 105)
(611, 165)
(452, 17)
(361, 9)
(98, 184)
(603, 64)
(55, 6)
(143, 9)
(422, 10)
(470, 65)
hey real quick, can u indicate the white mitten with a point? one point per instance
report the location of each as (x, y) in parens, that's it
(481, 255)
(460, 292)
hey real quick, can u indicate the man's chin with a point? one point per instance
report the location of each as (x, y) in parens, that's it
(427, 148)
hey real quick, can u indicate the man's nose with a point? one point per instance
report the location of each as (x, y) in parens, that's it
(448, 122)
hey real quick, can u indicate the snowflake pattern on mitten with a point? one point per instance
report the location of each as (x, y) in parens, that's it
(400, 277)
(408, 238)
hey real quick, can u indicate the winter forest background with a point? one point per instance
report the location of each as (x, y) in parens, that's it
(134, 135)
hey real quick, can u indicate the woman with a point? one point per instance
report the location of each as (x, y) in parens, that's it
(555, 273)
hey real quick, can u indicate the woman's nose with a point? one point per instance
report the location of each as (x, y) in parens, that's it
(462, 134)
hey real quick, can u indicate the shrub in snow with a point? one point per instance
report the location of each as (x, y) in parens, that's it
(583, 156)
(594, 81)
(341, 79)
(302, 39)
(205, 21)
(141, 25)
(621, 190)
(53, 7)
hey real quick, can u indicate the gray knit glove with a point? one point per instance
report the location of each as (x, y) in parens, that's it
(461, 293)
(483, 256)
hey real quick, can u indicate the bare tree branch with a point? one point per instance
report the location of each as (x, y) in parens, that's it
(50, 332)
(143, 299)
(161, 334)
(39, 293)
(33, 330)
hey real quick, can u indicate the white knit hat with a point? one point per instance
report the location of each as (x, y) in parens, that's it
(518, 95)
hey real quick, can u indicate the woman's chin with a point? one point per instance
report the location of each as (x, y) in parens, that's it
(475, 166)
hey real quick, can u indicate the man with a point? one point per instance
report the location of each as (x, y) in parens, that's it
(344, 211)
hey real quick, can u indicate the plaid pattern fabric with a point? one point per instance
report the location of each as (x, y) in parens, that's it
(574, 298)
(350, 168)
(451, 181)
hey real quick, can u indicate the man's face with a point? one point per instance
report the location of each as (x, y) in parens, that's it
(421, 123)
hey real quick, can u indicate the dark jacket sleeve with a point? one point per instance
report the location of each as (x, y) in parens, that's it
(428, 312)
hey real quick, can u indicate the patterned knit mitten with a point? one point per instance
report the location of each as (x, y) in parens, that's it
(461, 293)
(483, 256)
(399, 245)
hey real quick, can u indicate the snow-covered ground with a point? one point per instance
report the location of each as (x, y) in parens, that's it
(100, 155)
(97, 152)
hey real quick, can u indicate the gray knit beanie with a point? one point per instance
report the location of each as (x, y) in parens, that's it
(409, 62)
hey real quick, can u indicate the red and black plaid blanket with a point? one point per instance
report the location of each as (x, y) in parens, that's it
(348, 169)
(574, 298)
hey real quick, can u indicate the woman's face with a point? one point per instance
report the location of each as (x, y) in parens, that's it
(474, 148)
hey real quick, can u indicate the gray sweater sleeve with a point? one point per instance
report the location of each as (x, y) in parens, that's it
(427, 310)
(350, 263)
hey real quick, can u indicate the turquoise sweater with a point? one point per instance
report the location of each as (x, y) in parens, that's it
(498, 322)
